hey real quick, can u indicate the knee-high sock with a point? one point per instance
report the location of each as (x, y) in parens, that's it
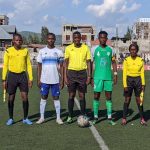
(140, 108)
(83, 106)
(25, 108)
(125, 109)
(42, 107)
(96, 104)
(10, 108)
(109, 108)
(70, 107)
(57, 108)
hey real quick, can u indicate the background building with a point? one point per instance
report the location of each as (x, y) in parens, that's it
(87, 32)
(141, 28)
(6, 32)
(4, 20)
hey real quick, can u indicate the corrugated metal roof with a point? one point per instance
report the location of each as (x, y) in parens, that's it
(4, 35)
(9, 28)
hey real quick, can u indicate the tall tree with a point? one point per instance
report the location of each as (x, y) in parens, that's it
(129, 33)
(36, 39)
(44, 32)
(30, 39)
(25, 40)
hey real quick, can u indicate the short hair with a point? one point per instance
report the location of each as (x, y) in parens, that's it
(77, 32)
(135, 45)
(103, 32)
(17, 34)
(52, 34)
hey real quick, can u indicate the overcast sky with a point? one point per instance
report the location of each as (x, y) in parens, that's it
(31, 15)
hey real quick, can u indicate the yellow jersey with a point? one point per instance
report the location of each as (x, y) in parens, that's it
(77, 57)
(17, 61)
(133, 67)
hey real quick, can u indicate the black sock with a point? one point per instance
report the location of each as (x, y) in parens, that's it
(70, 107)
(125, 109)
(25, 108)
(83, 106)
(140, 110)
(10, 108)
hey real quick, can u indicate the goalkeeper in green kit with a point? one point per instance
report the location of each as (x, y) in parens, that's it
(103, 59)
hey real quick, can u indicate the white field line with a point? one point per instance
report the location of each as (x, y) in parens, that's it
(98, 138)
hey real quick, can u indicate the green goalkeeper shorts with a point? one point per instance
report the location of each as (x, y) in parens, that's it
(102, 85)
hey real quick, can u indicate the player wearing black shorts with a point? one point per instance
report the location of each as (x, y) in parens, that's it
(133, 80)
(16, 63)
(77, 72)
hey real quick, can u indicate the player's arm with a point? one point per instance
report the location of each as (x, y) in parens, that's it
(88, 61)
(5, 68)
(114, 65)
(88, 71)
(62, 75)
(125, 74)
(39, 70)
(61, 64)
(143, 76)
(66, 63)
(29, 70)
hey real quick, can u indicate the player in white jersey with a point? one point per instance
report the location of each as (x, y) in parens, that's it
(50, 65)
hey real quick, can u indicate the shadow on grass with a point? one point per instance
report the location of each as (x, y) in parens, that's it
(116, 115)
(48, 114)
(147, 115)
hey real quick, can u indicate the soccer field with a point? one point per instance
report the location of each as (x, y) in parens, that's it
(50, 136)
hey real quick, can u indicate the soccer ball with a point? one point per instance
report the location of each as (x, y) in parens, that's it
(83, 121)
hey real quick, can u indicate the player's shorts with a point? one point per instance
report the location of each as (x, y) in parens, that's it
(77, 81)
(103, 85)
(133, 83)
(15, 80)
(45, 88)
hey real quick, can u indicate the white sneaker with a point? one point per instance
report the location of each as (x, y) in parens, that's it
(40, 121)
(59, 121)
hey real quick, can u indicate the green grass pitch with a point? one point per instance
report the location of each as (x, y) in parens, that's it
(50, 136)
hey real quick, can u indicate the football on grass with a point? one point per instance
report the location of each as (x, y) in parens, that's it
(83, 121)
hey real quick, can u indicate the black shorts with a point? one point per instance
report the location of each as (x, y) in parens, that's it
(15, 80)
(133, 83)
(77, 81)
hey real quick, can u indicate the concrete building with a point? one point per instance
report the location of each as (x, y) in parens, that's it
(6, 35)
(87, 32)
(4, 20)
(6, 32)
(141, 29)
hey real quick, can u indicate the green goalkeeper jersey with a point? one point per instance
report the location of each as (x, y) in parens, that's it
(102, 58)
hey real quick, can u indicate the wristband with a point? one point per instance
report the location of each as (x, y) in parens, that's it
(115, 73)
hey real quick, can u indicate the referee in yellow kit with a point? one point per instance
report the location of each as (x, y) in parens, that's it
(77, 72)
(16, 63)
(133, 80)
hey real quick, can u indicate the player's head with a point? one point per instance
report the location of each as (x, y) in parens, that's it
(77, 38)
(133, 49)
(102, 37)
(51, 38)
(17, 40)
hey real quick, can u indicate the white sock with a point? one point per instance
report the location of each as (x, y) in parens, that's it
(42, 107)
(57, 108)
(109, 116)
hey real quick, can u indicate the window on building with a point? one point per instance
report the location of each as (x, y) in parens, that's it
(92, 37)
(67, 37)
(145, 35)
(84, 37)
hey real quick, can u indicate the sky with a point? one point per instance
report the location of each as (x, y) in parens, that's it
(31, 15)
